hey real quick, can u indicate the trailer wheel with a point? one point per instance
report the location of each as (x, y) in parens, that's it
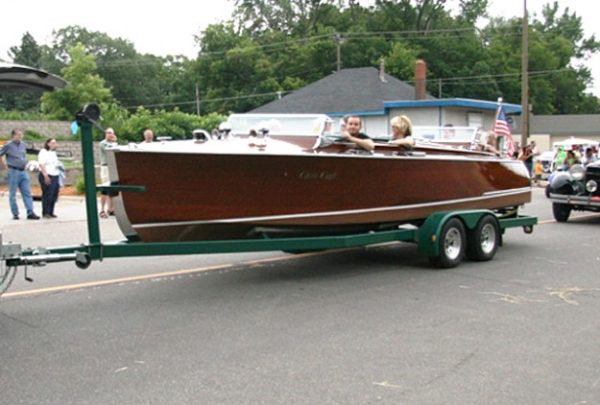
(483, 241)
(83, 260)
(561, 212)
(452, 241)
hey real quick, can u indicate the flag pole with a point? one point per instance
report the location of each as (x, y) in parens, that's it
(503, 145)
(499, 107)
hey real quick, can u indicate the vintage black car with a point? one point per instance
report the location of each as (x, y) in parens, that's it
(576, 189)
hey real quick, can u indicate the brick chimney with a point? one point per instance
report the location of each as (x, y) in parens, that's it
(420, 79)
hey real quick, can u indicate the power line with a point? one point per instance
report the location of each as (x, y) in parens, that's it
(501, 75)
(213, 100)
(469, 81)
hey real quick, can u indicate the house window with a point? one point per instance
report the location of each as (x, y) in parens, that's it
(475, 119)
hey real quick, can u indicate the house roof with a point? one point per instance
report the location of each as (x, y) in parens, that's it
(358, 90)
(580, 125)
(454, 102)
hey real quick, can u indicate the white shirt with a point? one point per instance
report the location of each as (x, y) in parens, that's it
(49, 159)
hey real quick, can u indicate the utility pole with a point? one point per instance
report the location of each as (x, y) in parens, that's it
(525, 79)
(197, 100)
(338, 42)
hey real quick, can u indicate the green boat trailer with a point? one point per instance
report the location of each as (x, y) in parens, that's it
(444, 237)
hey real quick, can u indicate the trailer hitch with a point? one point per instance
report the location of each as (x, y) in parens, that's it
(12, 256)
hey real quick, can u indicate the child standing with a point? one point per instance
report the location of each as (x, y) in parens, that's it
(538, 169)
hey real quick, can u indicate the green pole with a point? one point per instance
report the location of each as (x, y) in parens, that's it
(89, 176)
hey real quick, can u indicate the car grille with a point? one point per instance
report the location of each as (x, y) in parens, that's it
(593, 173)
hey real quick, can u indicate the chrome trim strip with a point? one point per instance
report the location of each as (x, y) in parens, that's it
(513, 191)
(573, 200)
(336, 213)
(457, 157)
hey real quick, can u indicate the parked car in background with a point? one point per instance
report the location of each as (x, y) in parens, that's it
(576, 189)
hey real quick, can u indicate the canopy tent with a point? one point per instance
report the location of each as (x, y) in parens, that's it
(572, 141)
(19, 77)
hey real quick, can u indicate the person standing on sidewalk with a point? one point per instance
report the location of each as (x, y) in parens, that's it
(16, 160)
(49, 175)
(106, 202)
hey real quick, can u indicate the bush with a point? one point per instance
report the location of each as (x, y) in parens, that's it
(33, 136)
(176, 124)
(129, 127)
(22, 116)
(80, 186)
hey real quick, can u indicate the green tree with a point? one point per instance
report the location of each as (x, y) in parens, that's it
(134, 79)
(84, 85)
(290, 17)
(556, 46)
(400, 61)
(28, 53)
(237, 80)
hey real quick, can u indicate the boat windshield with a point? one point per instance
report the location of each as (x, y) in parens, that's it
(280, 124)
(449, 135)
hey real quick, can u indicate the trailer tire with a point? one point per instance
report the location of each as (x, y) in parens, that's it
(452, 243)
(561, 212)
(83, 260)
(483, 241)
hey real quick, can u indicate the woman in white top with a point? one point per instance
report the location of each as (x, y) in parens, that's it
(49, 177)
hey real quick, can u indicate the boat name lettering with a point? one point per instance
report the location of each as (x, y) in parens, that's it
(310, 175)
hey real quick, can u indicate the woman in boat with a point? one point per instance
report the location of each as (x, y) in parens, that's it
(402, 131)
(490, 144)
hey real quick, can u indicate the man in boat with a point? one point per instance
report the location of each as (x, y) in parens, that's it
(148, 136)
(402, 131)
(352, 133)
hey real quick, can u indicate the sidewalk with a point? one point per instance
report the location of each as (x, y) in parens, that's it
(69, 228)
(68, 208)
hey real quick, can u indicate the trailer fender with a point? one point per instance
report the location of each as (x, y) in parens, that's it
(429, 232)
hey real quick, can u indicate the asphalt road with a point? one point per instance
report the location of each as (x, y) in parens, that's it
(360, 326)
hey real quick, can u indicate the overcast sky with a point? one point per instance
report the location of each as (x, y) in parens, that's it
(168, 28)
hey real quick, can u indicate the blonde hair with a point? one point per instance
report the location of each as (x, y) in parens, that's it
(402, 122)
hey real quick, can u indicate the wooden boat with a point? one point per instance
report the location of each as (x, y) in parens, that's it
(299, 184)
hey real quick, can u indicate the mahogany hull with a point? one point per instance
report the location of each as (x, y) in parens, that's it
(205, 196)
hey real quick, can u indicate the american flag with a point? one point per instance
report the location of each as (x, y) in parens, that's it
(501, 128)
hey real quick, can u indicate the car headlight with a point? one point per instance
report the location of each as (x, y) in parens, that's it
(591, 186)
(577, 172)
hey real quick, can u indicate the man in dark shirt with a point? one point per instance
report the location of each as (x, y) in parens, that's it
(16, 160)
(352, 133)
